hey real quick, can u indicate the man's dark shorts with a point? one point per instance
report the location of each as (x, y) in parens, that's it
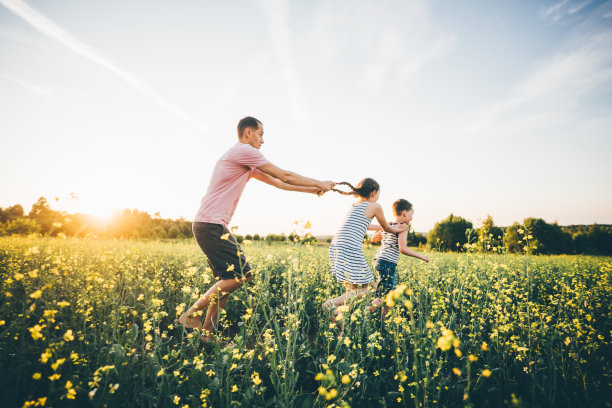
(386, 272)
(225, 257)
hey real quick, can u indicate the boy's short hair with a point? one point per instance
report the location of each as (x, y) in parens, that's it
(247, 122)
(401, 205)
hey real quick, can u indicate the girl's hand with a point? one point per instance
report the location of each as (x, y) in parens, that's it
(425, 258)
(402, 227)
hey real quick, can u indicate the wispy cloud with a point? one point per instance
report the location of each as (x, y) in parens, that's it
(54, 31)
(563, 8)
(277, 17)
(558, 81)
(402, 45)
(29, 86)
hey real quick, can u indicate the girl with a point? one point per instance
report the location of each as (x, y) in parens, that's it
(348, 262)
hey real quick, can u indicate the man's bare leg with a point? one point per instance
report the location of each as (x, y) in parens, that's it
(192, 318)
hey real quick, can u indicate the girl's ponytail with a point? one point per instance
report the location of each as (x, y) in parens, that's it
(363, 189)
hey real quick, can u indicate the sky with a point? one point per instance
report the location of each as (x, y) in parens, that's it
(473, 108)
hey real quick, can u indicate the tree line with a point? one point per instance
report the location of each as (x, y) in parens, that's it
(533, 235)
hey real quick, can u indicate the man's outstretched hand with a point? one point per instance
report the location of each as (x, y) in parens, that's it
(325, 186)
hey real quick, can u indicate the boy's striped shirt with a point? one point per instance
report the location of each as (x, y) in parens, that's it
(389, 247)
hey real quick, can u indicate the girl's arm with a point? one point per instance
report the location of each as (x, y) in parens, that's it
(402, 240)
(380, 216)
(377, 237)
(261, 176)
(374, 227)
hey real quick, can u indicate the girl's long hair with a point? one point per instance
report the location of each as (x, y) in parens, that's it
(364, 188)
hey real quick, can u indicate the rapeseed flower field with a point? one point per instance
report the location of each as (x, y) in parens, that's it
(93, 323)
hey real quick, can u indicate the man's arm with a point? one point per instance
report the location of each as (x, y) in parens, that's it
(261, 176)
(294, 179)
(402, 242)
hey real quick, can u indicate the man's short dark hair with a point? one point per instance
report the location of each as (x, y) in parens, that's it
(247, 122)
(401, 205)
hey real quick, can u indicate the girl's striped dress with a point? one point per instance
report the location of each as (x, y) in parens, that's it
(345, 252)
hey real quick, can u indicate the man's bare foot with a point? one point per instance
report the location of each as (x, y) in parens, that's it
(190, 322)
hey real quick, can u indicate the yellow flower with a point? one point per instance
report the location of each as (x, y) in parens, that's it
(230, 268)
(35, 331)
(68, 336)
(446, 340)
(486, 373)
(36, 294)
(225, 236)
(55, 377)
(44, 357)
(71, 392)
(63, 303)
(456, 371)
(333, 393)
(255, 378)
(484, 346)
(346, 379)
(322, 391)
(319, 377)
(58, 363)
(234, 388)
(160, 372)
(177, 400)
(458, 353)
(36, 376)
(472, 358)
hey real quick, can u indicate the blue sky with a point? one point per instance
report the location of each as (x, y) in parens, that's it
(475, 108)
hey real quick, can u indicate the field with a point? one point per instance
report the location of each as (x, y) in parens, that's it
(91, 323)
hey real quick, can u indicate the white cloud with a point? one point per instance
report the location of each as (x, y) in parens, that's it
(563, 8)
(31, 87)
(557, 82)
(52, 30)
(401, 41)
(277, 17)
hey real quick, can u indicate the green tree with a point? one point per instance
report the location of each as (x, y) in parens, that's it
(174, 232)
(42, 213)
(489, 235)
(546, 238)
(449, 234)
(21, 226)
(11, 213)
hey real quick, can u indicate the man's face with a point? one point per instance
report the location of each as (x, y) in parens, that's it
(254, 137)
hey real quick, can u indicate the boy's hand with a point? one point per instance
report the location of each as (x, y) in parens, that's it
(425, 258)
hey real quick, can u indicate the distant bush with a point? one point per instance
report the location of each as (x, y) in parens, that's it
(449, 234)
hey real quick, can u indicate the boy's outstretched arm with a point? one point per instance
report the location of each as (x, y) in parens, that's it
(261, 176)
(402, 242)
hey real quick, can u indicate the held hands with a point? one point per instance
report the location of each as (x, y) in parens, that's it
(324, 186)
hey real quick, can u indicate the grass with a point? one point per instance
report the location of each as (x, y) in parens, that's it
(92, 322)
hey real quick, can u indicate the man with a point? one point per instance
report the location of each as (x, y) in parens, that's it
(210, 227)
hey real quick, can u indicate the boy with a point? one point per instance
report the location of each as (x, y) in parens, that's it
(390, 249)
